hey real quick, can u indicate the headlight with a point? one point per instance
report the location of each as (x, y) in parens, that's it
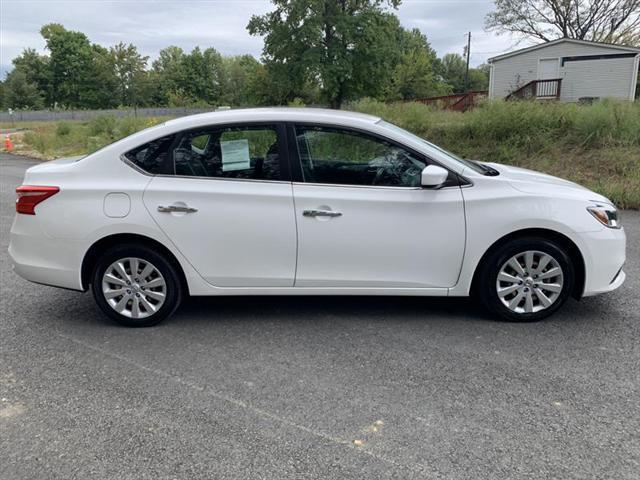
(606, 215)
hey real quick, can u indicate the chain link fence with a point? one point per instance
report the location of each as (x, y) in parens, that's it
(50, 115)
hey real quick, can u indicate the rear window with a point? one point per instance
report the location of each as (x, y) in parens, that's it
(152, 157)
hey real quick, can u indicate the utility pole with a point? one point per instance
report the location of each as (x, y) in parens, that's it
(466, 75)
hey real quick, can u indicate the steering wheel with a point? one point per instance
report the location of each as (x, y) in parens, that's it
(380, 172)
(411, 176)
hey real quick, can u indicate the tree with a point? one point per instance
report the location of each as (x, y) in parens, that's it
(346, 46)
(36, 68)
(80, 73)
(70, 60)
(169, 71)
(479, 77)
(203, 73)
(239, 77)
(76, 74)
(272, 85)
(415, 74)
(608, 21)
(129, 69)
(99, 86)
(453, 68)
(186, 78)
(20, 93)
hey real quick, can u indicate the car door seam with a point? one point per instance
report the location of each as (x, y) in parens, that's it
(466, 239)
(295, 219)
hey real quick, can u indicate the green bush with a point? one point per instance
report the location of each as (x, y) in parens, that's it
(520, 127)
(128, 125)
(96, 143)
(609, 123)
(103, 125)
(39, 141)
(63, 128)
(296, 102)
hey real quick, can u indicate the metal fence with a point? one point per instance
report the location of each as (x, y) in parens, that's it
(46, 115)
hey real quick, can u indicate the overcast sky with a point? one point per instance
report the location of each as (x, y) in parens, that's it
(154, 24)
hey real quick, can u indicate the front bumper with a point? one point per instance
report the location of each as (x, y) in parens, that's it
(617, 281)
(604, 255)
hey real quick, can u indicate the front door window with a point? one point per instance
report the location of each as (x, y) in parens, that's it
(337, 156)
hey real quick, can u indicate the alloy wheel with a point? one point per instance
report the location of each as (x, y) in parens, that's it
(134, 287)
(529, 282)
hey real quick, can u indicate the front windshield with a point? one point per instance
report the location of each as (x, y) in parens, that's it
(467, 163)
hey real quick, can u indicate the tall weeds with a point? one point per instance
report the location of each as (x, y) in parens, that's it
(597, 145)
(526, 127)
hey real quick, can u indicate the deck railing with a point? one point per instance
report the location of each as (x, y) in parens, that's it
(459, 102)
(545, 89)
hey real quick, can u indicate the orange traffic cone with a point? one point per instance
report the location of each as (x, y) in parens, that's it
(8, 146)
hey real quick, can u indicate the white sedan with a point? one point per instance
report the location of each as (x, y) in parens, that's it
(307, 202)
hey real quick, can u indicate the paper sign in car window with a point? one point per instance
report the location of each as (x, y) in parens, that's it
(235, 155)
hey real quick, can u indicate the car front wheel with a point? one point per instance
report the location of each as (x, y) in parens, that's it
(136, 286)
(526, 279)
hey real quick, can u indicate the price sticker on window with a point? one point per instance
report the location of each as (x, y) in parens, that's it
(235, 155)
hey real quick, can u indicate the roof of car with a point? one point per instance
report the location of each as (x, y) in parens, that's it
(274, 114)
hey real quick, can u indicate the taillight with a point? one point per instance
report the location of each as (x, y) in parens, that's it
(31, 195)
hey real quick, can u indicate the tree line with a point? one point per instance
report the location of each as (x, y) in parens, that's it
(321, 52)
(315, 52)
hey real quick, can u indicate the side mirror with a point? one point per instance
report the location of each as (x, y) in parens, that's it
(433, 176)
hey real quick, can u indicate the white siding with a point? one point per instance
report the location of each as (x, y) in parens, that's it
(597, 78)
(593, 78)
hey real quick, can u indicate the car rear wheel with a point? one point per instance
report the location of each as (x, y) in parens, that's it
(135, 286)
(526, 279)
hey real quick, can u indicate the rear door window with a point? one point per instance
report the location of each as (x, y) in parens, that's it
(244, 152)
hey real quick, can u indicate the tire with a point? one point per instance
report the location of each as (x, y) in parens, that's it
(542, 291)
(155, 295)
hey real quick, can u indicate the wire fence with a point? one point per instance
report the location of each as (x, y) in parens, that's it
(50, 115)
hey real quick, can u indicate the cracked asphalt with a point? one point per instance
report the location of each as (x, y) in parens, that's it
(328, 388)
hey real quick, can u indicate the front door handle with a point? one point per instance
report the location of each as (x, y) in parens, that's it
(176, 208)
(321, 213)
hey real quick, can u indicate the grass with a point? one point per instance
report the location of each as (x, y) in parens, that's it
(595, 145)
(48, 140)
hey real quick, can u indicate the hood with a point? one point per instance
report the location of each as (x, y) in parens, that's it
(530, 181)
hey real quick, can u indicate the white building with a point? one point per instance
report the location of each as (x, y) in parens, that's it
(566, 69)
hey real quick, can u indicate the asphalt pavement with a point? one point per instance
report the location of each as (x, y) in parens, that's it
(327, 388)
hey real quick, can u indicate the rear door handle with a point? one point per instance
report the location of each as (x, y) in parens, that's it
(176, 208)
(321, 213)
